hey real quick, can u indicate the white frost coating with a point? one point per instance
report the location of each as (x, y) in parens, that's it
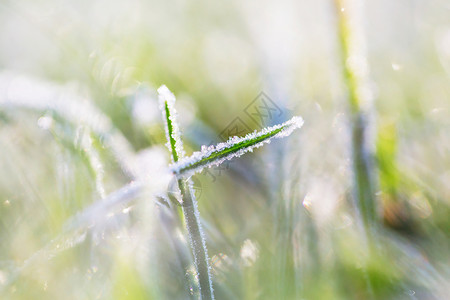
(286, 129)
(166, 96)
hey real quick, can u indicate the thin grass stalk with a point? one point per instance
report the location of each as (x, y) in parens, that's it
(355, 71)
(359, 100)
(283, 263)
(197, 239)
(189, 203)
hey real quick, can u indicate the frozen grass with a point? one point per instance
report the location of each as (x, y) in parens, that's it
(87, 193)
(188, 201)
(216, 155)
(208, 157)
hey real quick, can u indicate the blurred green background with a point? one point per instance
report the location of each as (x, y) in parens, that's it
(79, 120)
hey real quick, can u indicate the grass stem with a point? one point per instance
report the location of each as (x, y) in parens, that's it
(359, 100)
(189, 203)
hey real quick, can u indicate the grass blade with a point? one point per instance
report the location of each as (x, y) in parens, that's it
(190, 207)
(173, 136)
(355, 74)
(234, 147)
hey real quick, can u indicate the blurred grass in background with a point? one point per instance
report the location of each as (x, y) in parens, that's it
(79, 120)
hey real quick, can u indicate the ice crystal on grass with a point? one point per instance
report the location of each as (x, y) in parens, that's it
(167, 106)
(234, 147)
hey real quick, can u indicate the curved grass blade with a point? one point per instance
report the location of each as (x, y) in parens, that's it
(27, 93)
(234, 147)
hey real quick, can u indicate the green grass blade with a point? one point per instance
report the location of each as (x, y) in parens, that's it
(190, 208)
(167, 106)
(234, 147)
(356, 78)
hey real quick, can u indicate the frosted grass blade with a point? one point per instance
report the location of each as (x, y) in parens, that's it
(167, 106)
(189, 205)
(234, 147)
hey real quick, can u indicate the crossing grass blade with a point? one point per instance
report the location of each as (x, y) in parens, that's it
(234, 147)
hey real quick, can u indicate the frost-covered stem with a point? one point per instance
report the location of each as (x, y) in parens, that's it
(189, 203)
(197, 240)
(355, 72)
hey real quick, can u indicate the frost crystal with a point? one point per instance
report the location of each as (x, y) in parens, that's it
(167, 106)
(234, 147)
